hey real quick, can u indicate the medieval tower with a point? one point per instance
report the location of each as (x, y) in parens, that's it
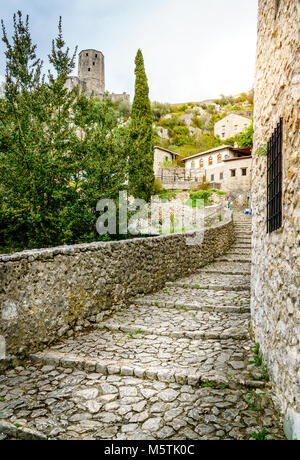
(91, 71)
(91, 76)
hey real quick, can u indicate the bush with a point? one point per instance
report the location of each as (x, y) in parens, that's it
(160, 110)
(157, 188)
(201, 195)
(204, 185)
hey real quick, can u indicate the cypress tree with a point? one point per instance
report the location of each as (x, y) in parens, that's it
(141, 155)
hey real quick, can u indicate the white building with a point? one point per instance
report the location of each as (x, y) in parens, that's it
(228, 166)
(231, 125)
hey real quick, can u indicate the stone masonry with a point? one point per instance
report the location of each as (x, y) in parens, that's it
(174, 365)
(91, 76)
(276, 256)
(46, 294)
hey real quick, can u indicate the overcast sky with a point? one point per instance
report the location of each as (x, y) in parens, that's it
(193, 49)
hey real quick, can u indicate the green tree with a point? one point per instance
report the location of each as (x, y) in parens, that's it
(245, 139)
(159, 110)
(141, 154)
(60, 152)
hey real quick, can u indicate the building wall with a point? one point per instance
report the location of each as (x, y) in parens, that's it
(91, 76)
(229, 183)
(231, 125)
(276, 257)
(91, 70)
(159, 157)
(194, 163)
(45, 294)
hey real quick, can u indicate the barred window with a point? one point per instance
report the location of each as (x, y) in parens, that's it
(274, 177)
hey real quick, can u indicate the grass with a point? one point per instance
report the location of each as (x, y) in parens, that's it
(262, 436)
(207, 385)
(133, 334)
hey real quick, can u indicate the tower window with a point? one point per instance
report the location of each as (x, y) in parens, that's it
(93, 63)
(89, 69)
(96, 55)
(233, 173)
(244, 172)
(87, 54)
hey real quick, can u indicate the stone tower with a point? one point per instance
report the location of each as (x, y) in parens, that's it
(91, 71)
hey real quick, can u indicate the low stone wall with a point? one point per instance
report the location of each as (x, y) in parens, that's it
(47, 294)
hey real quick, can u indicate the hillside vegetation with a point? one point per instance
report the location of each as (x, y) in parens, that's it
(189, 128)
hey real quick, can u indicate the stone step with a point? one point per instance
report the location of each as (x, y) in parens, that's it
(238, 246)
(241, 251)
(233, 258)
(190, 323)
(63, 404)
(154, 357)
(229, 268)
(214, 282)
(190, 296)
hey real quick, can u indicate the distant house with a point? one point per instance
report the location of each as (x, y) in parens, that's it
(231, 125)
(228, 166)
(161, 157)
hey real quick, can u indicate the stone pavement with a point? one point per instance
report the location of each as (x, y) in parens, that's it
(174, 365)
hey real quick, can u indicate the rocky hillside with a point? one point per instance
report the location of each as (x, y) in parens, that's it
(189, 128)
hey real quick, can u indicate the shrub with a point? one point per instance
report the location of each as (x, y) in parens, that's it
(157, 188)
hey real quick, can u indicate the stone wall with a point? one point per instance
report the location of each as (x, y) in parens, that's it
(46, 294)
(276, 257)
(231, 125)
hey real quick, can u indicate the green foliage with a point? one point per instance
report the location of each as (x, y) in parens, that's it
(160, 110)
(245, 139)
(262, 436)
(208, 385)
(203, 185)
(262, 151)
(225, 100)
(168, 194)
(201, 195)
(157, 187)
(259, 363)
(141, 149)
(198, 122)
(60, 152)
(123, 108)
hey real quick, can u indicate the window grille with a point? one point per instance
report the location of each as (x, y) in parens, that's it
(275, 180)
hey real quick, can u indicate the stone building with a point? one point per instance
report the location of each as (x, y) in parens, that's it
(91, 76)
(275, 301)
(161, 157)
(230, 167)
(231, 125)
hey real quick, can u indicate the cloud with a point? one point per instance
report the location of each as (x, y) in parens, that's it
(193, 50)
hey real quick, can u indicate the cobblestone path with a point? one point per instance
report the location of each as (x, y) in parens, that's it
(173, 365)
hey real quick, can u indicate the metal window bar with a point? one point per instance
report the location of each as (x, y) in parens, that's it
(274, 206)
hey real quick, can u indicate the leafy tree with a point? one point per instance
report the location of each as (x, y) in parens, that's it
(123, 108)
(141, 156)
(245, 139)
(160, 110)
(60, 152)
